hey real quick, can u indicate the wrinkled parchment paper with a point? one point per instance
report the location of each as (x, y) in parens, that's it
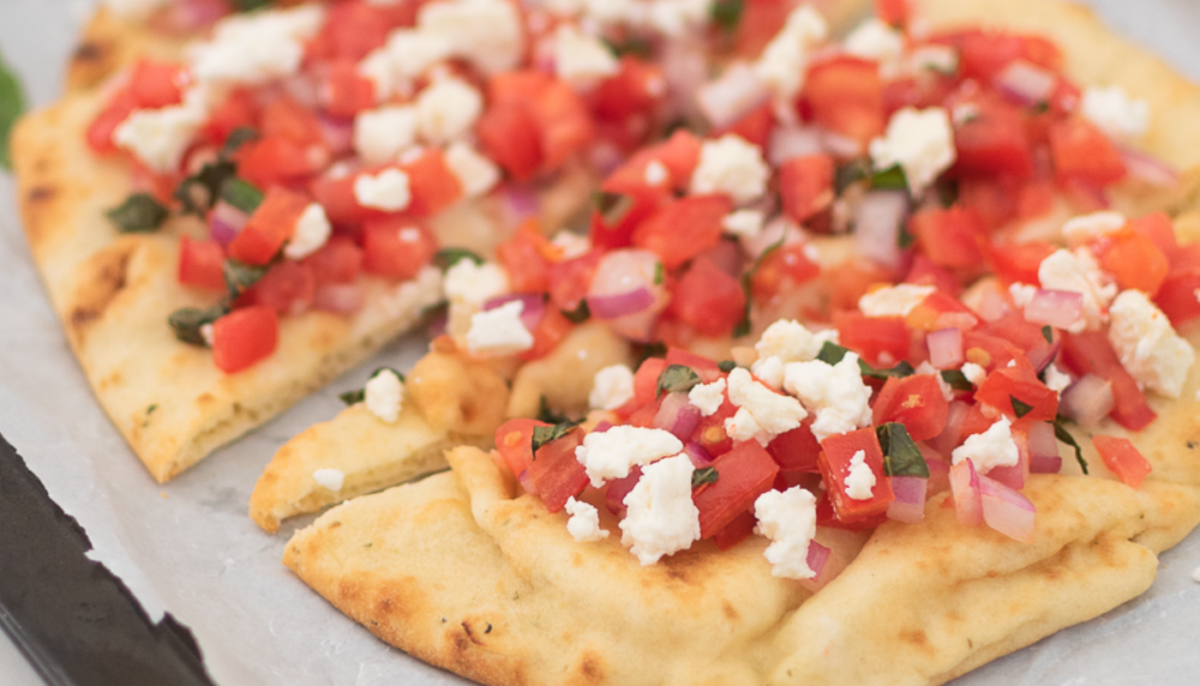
(189, 548)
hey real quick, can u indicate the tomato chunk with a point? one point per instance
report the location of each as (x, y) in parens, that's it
(1081, 151)
(514, 442)
(806, 186)
(555, 472)
(645, 380)
(288, 287)
(684, 228)
(433, 185)
(338, 261)
(244, 337)
(1122, 459)
(525, 257)
(837, 452)
(949, 238)
(1135, 261)
(845, 94)
(549, 332)
(1090, 352)
(707, 299)
(1016, 389)
(878, 340)
(395, 248)
(916, 402)
(200, 264)
(269, 227)
(744, 473)
(796, 450)
(782, 269)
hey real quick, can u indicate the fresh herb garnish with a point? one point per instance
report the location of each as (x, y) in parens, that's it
(12, 104)
(676, 378)
(612, 207)
(580, 314)
(726, 14)
(727, 365)
(152, 408)
(904, 237)
(241, 194)
(237, 138)
(890, 179)
(957, 380)
(658, 273)
(706, 475)
(544, 434)
(188, 322)
(947, 192)
(652, 349)
(831, 353)
(357, 396)
(448, 257)
(1048, 333)
(239, 277)
(1021, 409)
(1061, 433)
(545, 414)
(249, 5)
(901, 456)
(743, 327)
(199, 192)
(633, 45)
(140, 213)
(849, 174)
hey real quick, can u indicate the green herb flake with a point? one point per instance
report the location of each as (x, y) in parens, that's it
(612, 207)
(904, 237)
(652, 349)
(187, 323)
(849, 174)
(239, 277)
(1048, 333)
(250, 5)
(241, 194)
(12, 105)
(633, 45)
(199, 192)
(658, 273)
(831, 353)
(957, 380)
(727, 366)
(545, 414)
(545, 434)
(140, 213)
(1021, 409)
(359, 395)
(890, 179)
(743, 327)
(1061, 433)
(152, 408)
(676, 378)
(704, 476)
(237, 138)
(901, 456)
(580, 314)
(727, 14)
(448, 257)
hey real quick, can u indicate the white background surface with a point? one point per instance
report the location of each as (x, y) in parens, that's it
(190, 548)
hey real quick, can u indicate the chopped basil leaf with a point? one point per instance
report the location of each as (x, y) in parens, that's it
(726, 14)
(1065, 436)
(947, 192)
(357, 396)
(152, 408)
(12, 104)
(241, 194)
(636, 46)
(658, 273)
(676, 378)
(237, 138)
(727, 365)
(380, 370)
(743, 327)
(239, 277)
(249, 5)
(849, 174)
(140, 213)
(1048, 333)
(654, 349)
(1021, 409)
(1041, 107)
(612, 207)
(579, 314)
(199, 192)
(890, 179)
(545, 414)
(448, 257)
(831, 353)
(901, 456)
(187, 322)
(544, 434)
(904, 238)
(957, 380)
(706, 475)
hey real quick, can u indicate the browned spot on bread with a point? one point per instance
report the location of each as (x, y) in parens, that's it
(101, 280)
(730, 611)
(917, 638)
(471, 633)
(93, 60)
(591, 667)
(40, 194)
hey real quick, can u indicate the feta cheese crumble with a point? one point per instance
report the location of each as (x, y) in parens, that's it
(476, 173)
(1115, 112)
(584, 524)
(762, 413)
(787, 341)
(661, 518)
(992, 448)
(486, 33)
(1147, 344)
(1078, 271)
(708, 397)
(447, 110)
(920, 141)
(381, 135)
(580, 59)
(333, 479)
(743, 223)
(407, 54)
(257, 47)
(1056, 379)
(387, 190)
(499, 331)
(612, 387)
(611, 454)
(731, 166)
(974, 373)
(475, 284)
(894, 301)
(159, 137)
(1081, 229)
(860, 482)
(311, 233)
(384, 395)
(783, 62)
(876, 40)
(836, 393)
(789, 520)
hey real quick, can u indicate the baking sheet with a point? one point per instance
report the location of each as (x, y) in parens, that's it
(189, 547)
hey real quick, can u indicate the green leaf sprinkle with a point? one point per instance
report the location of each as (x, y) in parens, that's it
(199, 192)
(957, 380)
(706, 475)
(237, 138)
(901, 456)
(1061, 433)
(1021, 409)
(545, 414)
(1048, 333)
(890, 179)
(241, 194)
(239, 277)
(140, 213)
(357, 396)
(12, 105)
(727, 365)
(544, 434)
(612, 207)
(676, 378)
(850, 173)
(187, 323)
(831, 353)
(580, 314)
(726, 14)
(448, 257)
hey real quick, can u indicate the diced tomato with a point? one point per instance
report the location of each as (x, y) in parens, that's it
(988, 351)
(1018, 382)
(634, 89)
(118, 109)
(632, 203)
(200, 264)
(563, 121)
(827, 516)
(892, 12)
(711, 434)
(760, 22)
(877, 340)
(993, 142)
(949, 238)
(244, 337)
(395, 248)
(836, 454)
(269, 227)
(1122, 459)
(925, 273)
(432, 184)
(706, 369)
(845, 94)
(974, 422)
(1024, 334)
(796, 450)
(754, 126)
(1080, 150)
(346, 92)
(645, 380)
(684, 228)
(744, 473)
(1018, 262)
(984, 54)
(1177, 296)
(287, 287)
(555, 472)
(525, 258)
(1091, 353)
(1134, 260)
(336, 195)
(992, 199)
(514, 442)
(707, 299)
(781, 269)
(806, 186)
(679, 154)
(338, 261)
(551, 329)
(509, 135)
(916, 402)
(157, 84)
(616, 490)
(736, 531)
(288, 119)
(269, 162)
(1157, 227)
(354, 28)
(940, 311)
(238, 110)
(570, 280)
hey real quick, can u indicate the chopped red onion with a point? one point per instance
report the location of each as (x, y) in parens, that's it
(1088, 400)
(1149, 169)
(1043, 354)
(787, 142)
(1044, 464)
(614, 495)
(945, 442)
(877, 226)
(677, 415)
(1060, 309)
(700, 456)
(602, 426)
(338, 134)
(526, 481)
(521, 201)
(1012, 476)
(342, 298)
(1041, 441)
(1006, 510)
(945, 348)
(843, 147)
(613, 294)
(939, 471)
(685, 67)
(1026, 83)
(225, 222)
(620, 305)
(909, 505)
(964, 487)
(728, 98)
(818, 560)
(533, 307)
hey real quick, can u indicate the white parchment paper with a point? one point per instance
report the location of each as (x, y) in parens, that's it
(189, 547)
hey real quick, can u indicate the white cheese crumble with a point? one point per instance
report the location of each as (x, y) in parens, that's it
(476, 173)
(612, 387)
(1056, 379)
(992, 448)
(572, 244)
(499, 331)
(708, 397)
(333, 479)
(836, 393)
(860, 482)
(661, 518)
(1115, 112)
(787, 341)
(387, 190)
(487, 33)
(762, 413)
(783, 62)
(475, 284)
(939, 58)
(743, 223)
(381, 135)
(731, 166)
(1079, 272)
(160, 137)
(894, 301)
(1147, 344)
(974, 373)
(789, 520)
(584, 524)
(656, 174)
(206, 332)
(1021, 294)
(611, 454)
(1079, 230)
(580, 59)
(384, 395)
(920, 141)
(447, 110)
(876, 40)
(405, 56)
(257, 47)
(311, 233)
